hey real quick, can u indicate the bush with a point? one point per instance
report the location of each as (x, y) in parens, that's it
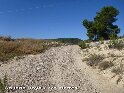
(94, 60)
(88, 41)
(117, 71)
(83, 45)
(105, 65)
(116, 44)
(101, 40)
(6, 38)
(3, 84)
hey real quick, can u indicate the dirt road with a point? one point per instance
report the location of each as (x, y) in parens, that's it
(58, 70)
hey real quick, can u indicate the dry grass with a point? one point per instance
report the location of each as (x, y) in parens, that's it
(105, 64)
(94, 59)
(116, 44)
(10, 48)
(118, 70)
(3, 84)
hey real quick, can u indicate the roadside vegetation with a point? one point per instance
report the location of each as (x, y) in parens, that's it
(3, 84)
(116, 44)
(96, 61)
(9, 48)
(106, 57)
(70, 41)
(83, 44)
(101, 30)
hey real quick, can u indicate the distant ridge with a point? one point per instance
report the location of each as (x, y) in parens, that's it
(68, 40)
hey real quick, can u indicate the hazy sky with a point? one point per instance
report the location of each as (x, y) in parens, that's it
(52, 18)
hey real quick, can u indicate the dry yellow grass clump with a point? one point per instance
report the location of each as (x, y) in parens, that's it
(10, 48)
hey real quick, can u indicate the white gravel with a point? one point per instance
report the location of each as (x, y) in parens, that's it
(58, 70)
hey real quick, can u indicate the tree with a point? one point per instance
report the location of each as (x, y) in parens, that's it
(102, 26)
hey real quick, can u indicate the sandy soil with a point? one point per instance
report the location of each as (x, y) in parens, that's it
(58, 70)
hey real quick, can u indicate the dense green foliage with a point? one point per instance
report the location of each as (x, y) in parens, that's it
(102, 26)
(68, 40)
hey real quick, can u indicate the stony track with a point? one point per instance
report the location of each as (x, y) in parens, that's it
(58, 70)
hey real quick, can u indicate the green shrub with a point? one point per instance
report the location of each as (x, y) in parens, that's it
(3, 84)
(83, 45)
(101, 40)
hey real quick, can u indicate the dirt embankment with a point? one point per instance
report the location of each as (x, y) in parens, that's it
(58, 70)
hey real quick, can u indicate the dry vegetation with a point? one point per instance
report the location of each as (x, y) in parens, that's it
(94, 60)
(10, 48)
(108, 57)
(3, 84)
(97, 61)
(116, 44)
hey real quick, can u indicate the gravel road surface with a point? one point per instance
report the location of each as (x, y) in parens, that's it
(58, 70)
